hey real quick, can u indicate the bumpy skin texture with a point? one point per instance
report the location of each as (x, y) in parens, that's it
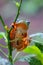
(18, 36)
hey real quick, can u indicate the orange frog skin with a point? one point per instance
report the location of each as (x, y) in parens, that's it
(18, 36)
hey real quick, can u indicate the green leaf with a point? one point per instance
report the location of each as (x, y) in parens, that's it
(37, 39)
(40, 46)
(26, 58)
(2, 35)
(31, 59)
(34, 61)
(33, 50)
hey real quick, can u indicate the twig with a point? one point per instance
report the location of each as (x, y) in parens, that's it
(8, 36)
(2, 21)
(18, 11)
(3, 46)
(3, 53)
(9, 49)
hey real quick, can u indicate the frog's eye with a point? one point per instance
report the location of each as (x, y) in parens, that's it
(12, 25)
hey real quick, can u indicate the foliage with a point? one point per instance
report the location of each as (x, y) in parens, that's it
(38, 41)
(34, 61)
(40, 46)
(35, 50)
(2, 34)
(31, 59)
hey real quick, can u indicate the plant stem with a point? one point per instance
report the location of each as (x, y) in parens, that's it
(2, 22)
(17, 14)
(18, 11)
(8, 34)
(9, 45)
(9, 49)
